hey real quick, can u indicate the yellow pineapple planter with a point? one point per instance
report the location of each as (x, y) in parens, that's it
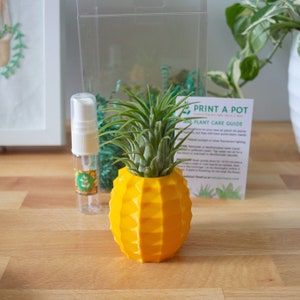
(150, 217)
(150, 206)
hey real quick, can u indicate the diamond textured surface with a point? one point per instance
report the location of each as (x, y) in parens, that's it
(150, 217)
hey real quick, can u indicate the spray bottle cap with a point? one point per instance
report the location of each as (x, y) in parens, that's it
(84, 124)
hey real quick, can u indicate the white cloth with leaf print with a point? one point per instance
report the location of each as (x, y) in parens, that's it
(21, 95)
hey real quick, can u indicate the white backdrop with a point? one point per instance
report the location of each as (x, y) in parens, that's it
(269, 91)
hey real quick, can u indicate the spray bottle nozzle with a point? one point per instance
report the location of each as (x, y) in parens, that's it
(84, 124)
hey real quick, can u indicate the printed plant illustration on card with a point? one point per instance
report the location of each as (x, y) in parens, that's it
(224, 192)
(11, 42)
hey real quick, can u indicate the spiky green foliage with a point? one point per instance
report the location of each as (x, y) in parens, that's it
(108, 152)
(147, 131)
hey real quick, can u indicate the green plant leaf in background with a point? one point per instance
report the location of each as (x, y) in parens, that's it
(249, 67)
(234, 74)
(237, 18)
(298, 44)
(259, 27)
(220, 78)
(258, 38)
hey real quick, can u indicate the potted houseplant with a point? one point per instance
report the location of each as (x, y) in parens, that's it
(255, 25)
(150, 206)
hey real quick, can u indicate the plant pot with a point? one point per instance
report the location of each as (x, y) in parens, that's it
(5, 50)
(150, 217)
(294, 89)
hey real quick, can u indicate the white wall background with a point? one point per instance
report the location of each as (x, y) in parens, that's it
(269, 90)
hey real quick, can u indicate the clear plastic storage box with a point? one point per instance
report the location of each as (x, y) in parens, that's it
(139, 43)
(142, 42)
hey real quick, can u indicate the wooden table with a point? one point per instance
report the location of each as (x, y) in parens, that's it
(235, 250)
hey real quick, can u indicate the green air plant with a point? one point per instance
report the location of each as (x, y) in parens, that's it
(259, 28)
(109, 152)
(147, 131)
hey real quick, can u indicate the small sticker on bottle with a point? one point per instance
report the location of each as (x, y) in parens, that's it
(86, 182)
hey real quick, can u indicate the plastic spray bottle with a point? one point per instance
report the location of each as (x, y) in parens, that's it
(85, 149)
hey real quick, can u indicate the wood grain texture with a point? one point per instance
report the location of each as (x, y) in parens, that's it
(235, 250)
(177, 294)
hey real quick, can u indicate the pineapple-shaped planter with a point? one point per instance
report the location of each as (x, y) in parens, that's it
(150, 217)
(150, 206)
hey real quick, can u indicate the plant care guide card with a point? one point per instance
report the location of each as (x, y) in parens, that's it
(218, 147)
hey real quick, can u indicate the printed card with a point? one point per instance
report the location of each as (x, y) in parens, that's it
(218, 147)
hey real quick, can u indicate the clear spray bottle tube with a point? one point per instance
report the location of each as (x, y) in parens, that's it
(85, 149)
